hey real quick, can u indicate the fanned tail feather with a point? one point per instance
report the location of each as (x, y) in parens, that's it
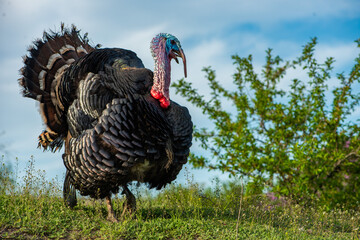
(41, 80)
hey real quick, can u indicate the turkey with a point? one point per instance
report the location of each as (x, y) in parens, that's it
(114, 117)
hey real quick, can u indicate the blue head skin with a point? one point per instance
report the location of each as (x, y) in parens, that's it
(172, 43)
(172, 47)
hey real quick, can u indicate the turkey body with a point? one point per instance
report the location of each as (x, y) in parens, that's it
(98, 102)
(118, 133)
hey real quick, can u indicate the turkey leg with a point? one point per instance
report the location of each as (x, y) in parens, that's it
(130, 202)
(69, 192)
(111, 214)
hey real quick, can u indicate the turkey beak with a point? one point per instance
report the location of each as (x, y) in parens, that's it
(178, 53)
(182, 55)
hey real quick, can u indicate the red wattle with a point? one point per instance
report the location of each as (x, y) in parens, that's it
(164, 103)
(155, 94)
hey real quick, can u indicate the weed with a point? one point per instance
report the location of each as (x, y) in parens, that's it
(35, 209)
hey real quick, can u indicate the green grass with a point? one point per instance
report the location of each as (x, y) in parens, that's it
(35, 210)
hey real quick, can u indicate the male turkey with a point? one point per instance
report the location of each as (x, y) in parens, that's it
(114, 116)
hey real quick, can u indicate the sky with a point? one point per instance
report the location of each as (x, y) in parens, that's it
(210, 32)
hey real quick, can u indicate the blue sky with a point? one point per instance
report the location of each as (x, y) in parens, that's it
(209, 31)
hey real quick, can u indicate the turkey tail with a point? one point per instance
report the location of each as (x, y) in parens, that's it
(46, 62)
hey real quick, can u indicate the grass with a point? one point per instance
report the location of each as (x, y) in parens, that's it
(35, 210)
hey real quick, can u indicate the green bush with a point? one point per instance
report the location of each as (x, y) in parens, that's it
(302, 144)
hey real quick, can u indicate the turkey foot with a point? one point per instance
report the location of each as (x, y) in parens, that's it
(130, 202)
(111, 214)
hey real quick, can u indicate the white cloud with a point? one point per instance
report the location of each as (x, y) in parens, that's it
(203, 27)
(138, 41)
(343, 53)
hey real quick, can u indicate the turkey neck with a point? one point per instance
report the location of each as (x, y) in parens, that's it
(162, 69)
(162, 76)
